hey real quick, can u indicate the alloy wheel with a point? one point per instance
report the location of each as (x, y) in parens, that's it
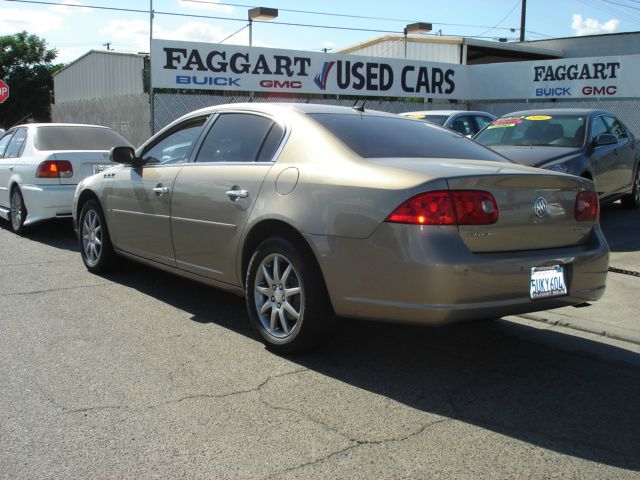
(17, 210)
(279, 295)
(92, 237)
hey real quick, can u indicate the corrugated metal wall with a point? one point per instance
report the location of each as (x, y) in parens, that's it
(394, 48)
(127, 114)
(99, 75)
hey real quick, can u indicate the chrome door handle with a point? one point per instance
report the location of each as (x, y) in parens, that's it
(160, 190)
(11, 169)
(236, 194)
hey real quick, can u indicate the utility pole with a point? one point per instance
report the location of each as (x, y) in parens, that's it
(523, 16)
(151, 101)
(108, 44)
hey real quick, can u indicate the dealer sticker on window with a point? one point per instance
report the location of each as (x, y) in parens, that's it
(547, 282)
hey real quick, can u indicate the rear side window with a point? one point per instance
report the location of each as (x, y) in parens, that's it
(236, 137)
(4, 141)
(77, 138)
(463, 125)
(16, 144)
(383, 137)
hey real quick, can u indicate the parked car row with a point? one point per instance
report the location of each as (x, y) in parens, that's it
(316, 212)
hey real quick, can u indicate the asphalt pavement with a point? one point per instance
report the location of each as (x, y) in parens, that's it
(141, 374)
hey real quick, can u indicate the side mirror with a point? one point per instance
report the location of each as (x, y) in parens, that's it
(604, 139)
(125, 156)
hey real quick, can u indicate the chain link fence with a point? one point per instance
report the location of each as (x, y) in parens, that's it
(130, 115)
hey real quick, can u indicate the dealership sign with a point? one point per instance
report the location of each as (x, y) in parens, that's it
(188, 65)
(191, 65)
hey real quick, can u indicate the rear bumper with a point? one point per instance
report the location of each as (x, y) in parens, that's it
(427, 275)
(47, 201)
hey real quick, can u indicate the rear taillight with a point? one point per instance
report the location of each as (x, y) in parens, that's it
(587, 207)
(446, 207)
(55, 169)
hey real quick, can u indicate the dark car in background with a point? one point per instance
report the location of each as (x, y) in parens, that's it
(467, 123)
(588, 143)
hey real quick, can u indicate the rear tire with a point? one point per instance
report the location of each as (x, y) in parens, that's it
(95, 244)
(287, 302)
(632, 201)
(17, 211)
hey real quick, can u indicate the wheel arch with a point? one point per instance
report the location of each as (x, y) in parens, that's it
(271, 228)
(84, 197)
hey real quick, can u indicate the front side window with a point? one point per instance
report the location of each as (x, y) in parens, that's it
(237, 137)
(175, 147)
(16, 144)
(463, 125)
(598, 128)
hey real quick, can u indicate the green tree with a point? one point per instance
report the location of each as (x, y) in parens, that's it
(26, 65)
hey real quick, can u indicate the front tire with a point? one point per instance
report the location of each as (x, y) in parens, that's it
(286, 297)
(17, 212)
(632, 201)
(95, 244)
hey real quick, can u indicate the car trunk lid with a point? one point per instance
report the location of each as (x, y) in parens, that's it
(84, 163)
(536, 211)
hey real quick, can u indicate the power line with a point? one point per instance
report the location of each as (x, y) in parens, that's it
(503, 19)
(344, 15)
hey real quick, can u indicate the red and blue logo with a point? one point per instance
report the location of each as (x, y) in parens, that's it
(321, 79)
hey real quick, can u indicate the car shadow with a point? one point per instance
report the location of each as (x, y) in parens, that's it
(499, 376)
(56, 233)
(485, 374)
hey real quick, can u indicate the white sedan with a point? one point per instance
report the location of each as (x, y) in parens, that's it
(41, 164)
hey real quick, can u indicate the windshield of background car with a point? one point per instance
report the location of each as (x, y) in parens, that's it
(384, 137)
(535, 130)
(77, 138)
(437, 119)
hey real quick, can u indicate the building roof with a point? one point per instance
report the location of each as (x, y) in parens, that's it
(100, 52)
(476, 49)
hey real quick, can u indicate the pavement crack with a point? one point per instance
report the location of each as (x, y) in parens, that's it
(357, 444)
(49, 290)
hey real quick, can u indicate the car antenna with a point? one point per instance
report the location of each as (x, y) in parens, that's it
(359, 105)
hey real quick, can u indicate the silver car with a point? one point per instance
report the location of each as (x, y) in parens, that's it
(319, 212)
(467, 123)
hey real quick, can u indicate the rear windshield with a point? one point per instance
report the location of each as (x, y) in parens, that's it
(384, 137)
(77, 138)
(535, 130)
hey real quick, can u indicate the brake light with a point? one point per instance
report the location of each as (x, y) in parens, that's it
(446, 207)
(587, 207)
(55, 169)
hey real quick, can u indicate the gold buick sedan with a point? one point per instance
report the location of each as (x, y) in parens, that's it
(316, 213)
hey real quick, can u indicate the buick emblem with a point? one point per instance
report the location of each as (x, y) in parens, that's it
(540, 207)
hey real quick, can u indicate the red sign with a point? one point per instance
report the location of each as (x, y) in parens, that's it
(4, 91)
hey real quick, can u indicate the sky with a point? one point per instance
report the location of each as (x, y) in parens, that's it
(72, 28)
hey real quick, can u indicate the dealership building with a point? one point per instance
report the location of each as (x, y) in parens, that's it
(393, 73)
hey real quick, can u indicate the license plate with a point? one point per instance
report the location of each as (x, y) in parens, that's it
(99, 168)
(547, 282)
